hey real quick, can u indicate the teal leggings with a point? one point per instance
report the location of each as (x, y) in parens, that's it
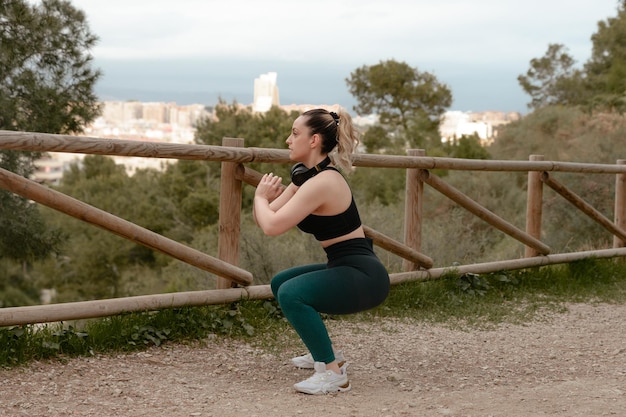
(353, 280)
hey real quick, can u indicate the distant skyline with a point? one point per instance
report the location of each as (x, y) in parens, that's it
(194, 51)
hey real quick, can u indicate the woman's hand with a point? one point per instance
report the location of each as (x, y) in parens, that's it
(269, 187)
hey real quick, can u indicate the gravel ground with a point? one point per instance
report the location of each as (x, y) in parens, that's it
(569, 364)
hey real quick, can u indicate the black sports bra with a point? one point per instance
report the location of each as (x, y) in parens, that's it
(330, 227)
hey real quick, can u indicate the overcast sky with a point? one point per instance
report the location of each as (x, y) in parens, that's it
(218, 47)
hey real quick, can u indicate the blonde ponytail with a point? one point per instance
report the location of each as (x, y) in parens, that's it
(347, 142)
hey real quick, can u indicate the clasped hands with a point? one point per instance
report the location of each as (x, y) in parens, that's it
(269, 187)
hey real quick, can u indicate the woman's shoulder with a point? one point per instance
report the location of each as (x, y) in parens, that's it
(331, 173)
(328, 178)
(332, 179)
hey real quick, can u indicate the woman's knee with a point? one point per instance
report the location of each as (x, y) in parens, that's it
(277, 282)
(281, 278)
(275, 285)
(288, 296)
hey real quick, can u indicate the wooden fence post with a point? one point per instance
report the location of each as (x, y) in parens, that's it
(620, 205)
(230, 213)
(533, 206)
(413, 210)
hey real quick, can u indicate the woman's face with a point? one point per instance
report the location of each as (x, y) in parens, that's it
(299, 141)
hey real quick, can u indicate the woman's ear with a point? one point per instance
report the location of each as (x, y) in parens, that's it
(316, 140)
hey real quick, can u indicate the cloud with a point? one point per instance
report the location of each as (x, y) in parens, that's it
(344, 31)
(478, 47)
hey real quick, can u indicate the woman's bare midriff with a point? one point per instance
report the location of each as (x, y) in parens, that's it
(352, 235)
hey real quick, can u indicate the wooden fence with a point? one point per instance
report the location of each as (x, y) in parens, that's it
(234, 283)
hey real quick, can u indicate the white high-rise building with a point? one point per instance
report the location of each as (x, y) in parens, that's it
(265, 92)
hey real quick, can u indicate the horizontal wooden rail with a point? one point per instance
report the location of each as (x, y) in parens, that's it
(498, 266)
(82, 211)
(11, 316)
(45, 142)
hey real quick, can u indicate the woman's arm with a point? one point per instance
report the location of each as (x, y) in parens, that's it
(288, 209)
(279, 201)
(285, 196)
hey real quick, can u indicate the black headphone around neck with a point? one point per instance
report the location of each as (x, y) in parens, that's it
(300, 173)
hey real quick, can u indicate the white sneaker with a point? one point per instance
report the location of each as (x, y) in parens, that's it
(307, 362)
(325, 381)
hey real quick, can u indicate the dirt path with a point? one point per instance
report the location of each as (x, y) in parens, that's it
(572, 364)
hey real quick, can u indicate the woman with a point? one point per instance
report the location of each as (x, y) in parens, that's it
(319, 201)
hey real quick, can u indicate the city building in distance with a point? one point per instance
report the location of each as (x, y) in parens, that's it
(265, 92)
(172, 123)
(131, 120)
(456, 124)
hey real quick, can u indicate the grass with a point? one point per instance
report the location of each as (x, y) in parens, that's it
(508, 296)
(470, 301)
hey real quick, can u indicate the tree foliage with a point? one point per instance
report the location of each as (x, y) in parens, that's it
(601, 82)
(192, 191)
(405, 99)
(467, 147)
(46, 85)
(552, 78)
(606, 69)
(23, 235)
(409, 104)
(269, 129)
(46, 78)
